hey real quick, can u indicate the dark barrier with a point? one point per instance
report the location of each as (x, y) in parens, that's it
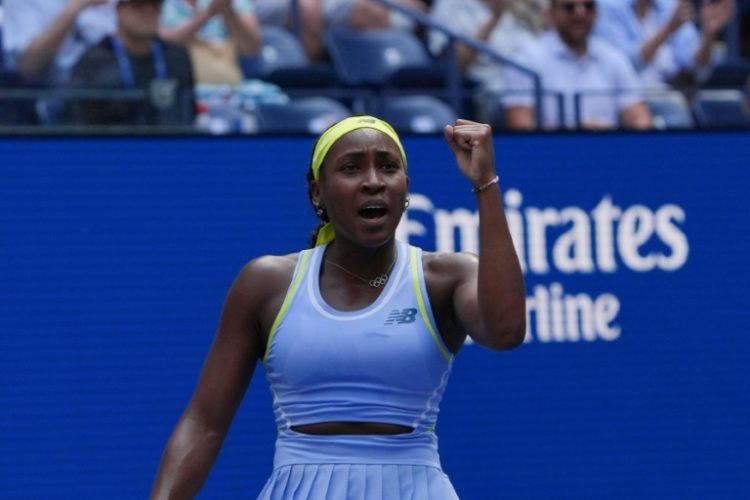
(115, 255)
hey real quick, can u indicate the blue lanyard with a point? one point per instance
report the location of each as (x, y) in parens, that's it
(126, 69)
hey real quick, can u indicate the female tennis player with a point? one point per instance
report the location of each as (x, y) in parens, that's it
(358, 333)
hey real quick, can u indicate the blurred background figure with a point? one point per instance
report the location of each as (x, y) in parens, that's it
(662, 39)
(217, 33)
(571, 62)
(43, 39)
(502, 26)
(134, 57)
(495, 23)
(315, 16)
(310, 17)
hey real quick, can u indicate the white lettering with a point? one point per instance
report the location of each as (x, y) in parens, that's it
(635, 229)
(537, 221)
(572, 250)
(407, 227)
(553, 316)
(605, 214)
(446, 224)
(578, 241)
(513, 201)
(671, 235)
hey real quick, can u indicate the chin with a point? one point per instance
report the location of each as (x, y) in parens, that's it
(376, 240)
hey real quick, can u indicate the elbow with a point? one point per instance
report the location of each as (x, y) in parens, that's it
(507, 336)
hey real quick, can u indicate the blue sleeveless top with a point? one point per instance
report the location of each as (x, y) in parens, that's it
(385, 363)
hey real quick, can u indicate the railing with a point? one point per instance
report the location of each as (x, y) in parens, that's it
(46, 102)
(454, 80)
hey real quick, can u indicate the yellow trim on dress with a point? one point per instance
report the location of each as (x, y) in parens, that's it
(423, 309)
(287, 300)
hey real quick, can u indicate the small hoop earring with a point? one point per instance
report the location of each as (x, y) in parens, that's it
(319, 211)
(406, 203)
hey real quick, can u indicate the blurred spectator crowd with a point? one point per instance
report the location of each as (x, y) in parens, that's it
(296, 66)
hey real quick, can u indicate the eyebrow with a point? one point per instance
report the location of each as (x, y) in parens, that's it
(379, 153)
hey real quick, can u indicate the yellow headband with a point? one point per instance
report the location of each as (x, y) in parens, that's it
(329, 138)
(336, 132)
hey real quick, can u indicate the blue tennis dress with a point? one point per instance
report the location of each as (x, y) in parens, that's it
(385, 363)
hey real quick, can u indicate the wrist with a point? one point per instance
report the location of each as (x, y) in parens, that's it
(484, 186)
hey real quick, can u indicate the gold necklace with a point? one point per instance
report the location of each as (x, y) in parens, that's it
(376, 282)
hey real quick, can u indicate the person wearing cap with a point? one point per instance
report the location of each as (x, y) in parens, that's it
(357, 334)
(135, 58)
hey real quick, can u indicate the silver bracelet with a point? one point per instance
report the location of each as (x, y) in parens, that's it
(484, 187)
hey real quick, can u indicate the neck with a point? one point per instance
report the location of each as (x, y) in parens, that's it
(579, 47)
(368, 261)
(135, 45)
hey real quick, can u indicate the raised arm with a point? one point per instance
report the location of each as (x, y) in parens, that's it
(244, 29)
(187, 31)
(41, 52)
(200, 432)
(467, 55)
(489, 299)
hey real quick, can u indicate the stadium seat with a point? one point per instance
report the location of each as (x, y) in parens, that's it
(383, 58)
(729, 75)
(418, 114)
(308, 115)
(720, 108)
(282, 60)
(670, 109)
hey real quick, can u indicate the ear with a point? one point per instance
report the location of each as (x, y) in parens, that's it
(315, 192)
(408, 182)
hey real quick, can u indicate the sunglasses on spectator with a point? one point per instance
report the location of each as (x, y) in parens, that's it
(570, 7)
(142, 2)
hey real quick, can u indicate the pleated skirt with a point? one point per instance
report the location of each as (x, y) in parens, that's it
(400, 467)
(358, 482)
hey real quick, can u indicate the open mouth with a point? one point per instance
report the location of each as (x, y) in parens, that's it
(372, 212)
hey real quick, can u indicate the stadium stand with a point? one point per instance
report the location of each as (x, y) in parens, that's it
(670, 109)
(282, 60)
(720, 108)
(418, 114)
(310, 115)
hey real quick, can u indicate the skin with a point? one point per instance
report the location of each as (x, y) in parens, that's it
(244, 29)
(480, 296)
(370, 15)
(574, 30)
(40, 54)
(466, 55)
(714, 17)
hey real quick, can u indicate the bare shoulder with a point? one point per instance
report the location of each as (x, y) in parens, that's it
(268, 274)
(449, 263)
(446, 270)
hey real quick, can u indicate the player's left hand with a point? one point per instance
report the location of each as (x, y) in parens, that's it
(472, 145)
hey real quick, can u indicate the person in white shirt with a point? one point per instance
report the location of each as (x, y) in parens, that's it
(661, 37)
(598, 85)
(491, 22)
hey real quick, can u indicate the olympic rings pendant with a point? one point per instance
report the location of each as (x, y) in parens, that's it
(379, 281)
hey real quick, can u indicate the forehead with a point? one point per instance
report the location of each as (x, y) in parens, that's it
(360, 141)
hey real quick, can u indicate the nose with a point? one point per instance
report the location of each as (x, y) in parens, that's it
(372, 181)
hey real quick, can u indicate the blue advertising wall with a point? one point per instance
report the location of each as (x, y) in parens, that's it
(116, 253)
